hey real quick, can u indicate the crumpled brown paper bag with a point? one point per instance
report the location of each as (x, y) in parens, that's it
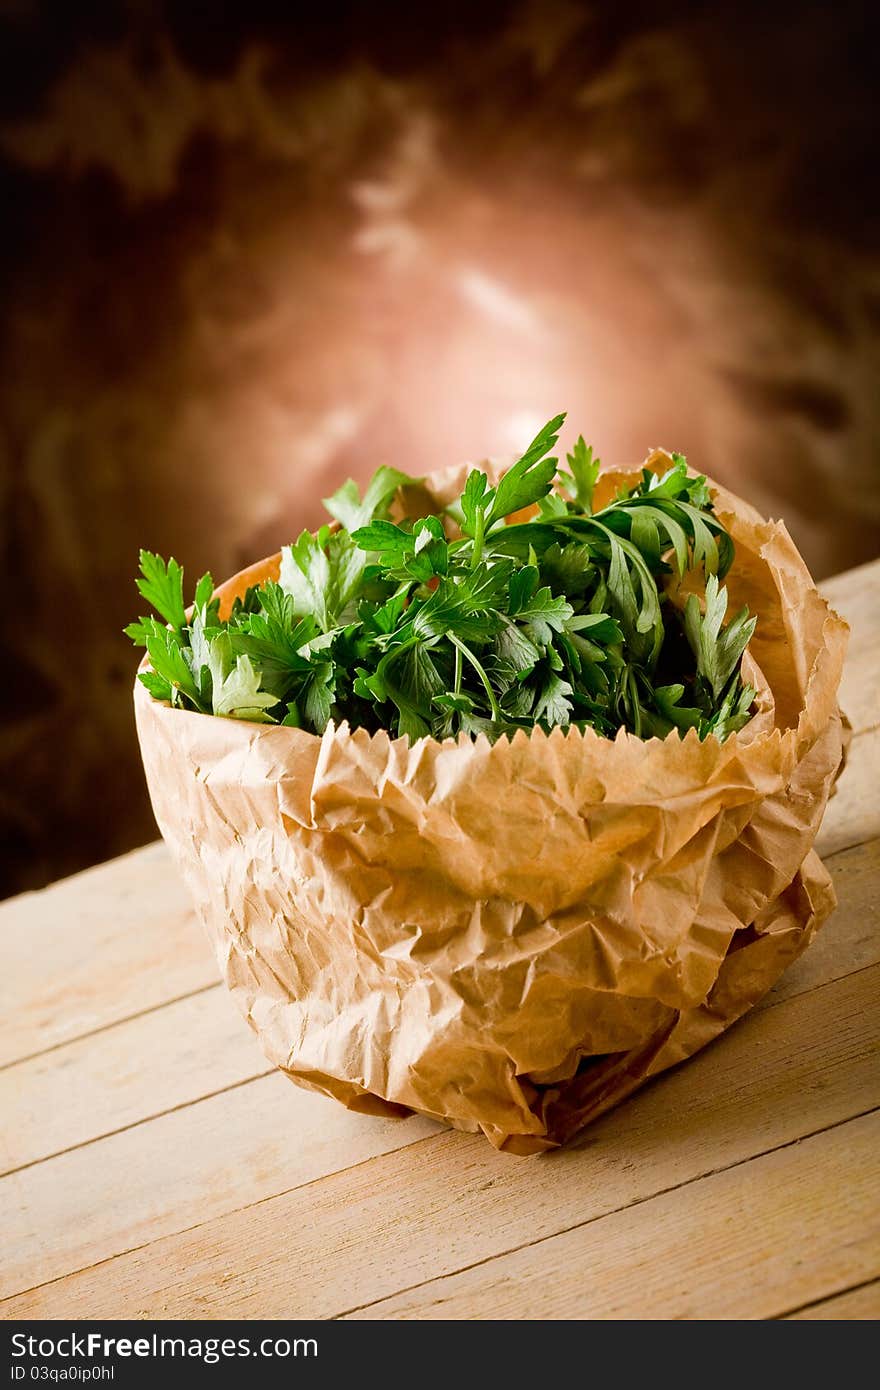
(514, 937)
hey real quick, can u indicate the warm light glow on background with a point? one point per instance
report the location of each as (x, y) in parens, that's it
(245, 262)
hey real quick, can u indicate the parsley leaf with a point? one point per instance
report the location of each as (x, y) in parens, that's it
(718, 652)
(322, 574)
(352, 511)
(162, 586)
(581, 481)
(403, 625)
(530, 478)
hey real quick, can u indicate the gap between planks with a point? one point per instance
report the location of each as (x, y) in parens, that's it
(663, 1192)
(852, 819)
(135, 1124)
(869, 709)
(96, 949)
(162, 955)
(859, 1302)
(712, 1115)
(852, 816)
(198, 1048)
(750, 1241)
(106, 1027)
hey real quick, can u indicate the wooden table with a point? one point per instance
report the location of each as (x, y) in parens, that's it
(155, 1166)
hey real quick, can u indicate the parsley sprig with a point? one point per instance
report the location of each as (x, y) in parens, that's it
(475, 621)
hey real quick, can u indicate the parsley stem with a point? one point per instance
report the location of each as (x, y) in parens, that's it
(497, 716)
(479, 531)
(573, 586)
(635, 709)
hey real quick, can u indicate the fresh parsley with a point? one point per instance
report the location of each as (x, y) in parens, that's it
(479, 620)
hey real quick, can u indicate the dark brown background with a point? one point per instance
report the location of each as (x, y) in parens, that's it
(247, 253)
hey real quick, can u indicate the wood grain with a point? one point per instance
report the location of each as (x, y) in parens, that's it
(130, 922)
(128, 1072)
(854, 1305)
(96, 948)
(751, 1242)
(853, 813)
(450, 1200)
(177, 1053)
(850, 940)
(176, 1171)
(856, 596)
(156, 1178)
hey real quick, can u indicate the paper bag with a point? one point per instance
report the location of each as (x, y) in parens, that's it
(512, 937)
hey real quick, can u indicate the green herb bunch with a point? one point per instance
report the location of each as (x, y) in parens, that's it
(470, 622)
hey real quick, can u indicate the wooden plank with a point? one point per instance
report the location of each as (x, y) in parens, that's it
(180, 1169)
(96, 948)
(124, 1074)
(451, 1200)
(852, 1306)
(115, 940)
(853, 813)
(114, 959)
(95, 1085)
(750, 1242)
(856, 596)
(198, 1046)
(850, 940)
(852, 592)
